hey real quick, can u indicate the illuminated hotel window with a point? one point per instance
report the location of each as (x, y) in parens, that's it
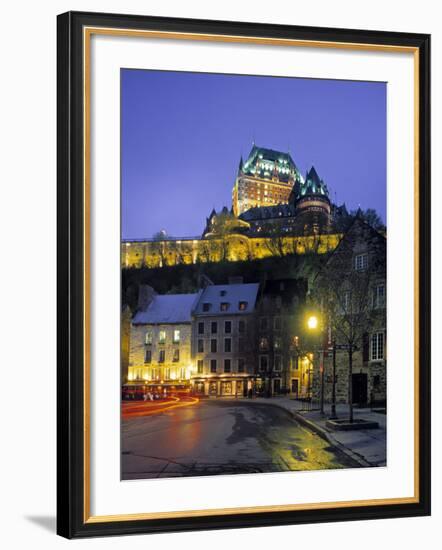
(242, 306)
(224, 306)
(162, 337)
(176, 336)
(148, 339)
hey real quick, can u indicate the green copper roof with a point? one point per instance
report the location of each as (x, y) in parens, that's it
(266, 163)
(313, 185)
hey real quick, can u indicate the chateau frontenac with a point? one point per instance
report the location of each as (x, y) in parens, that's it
(270, 200)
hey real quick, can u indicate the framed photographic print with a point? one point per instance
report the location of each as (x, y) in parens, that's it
(243, 248)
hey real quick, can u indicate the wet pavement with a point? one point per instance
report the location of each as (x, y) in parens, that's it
(222, 437)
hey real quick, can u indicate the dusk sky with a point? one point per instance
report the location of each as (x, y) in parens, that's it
(184, 133)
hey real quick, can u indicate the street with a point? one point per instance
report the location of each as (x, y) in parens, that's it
(221, 437)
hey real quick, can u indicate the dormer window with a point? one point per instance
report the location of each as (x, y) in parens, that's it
(207, 306)
(224, 306)
(222, 292)
(242, 306)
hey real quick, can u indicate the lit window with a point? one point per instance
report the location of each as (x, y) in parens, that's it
(263, 344)
(224, 306)
(377, 346)
(361, 262)
(162, 337)
(176, 336)
(277, 343)
(148, 339)
(242, 306)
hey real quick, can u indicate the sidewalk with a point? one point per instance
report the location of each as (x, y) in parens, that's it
(367, 447)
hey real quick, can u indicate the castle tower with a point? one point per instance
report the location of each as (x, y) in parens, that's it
(266, 178)
(312, 204)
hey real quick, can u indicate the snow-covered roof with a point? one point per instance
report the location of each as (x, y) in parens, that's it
(227, 299)
(167, 309)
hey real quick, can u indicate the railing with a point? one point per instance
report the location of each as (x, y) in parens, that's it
(165, 239)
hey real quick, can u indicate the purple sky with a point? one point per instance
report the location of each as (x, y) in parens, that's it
(183, 135)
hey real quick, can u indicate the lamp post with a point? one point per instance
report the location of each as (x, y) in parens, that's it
(313, 324)
(333, 415)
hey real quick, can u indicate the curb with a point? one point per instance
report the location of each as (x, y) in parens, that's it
(330, 439)
(326, 435)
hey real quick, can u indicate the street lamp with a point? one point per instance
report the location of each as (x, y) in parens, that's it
(313, 324)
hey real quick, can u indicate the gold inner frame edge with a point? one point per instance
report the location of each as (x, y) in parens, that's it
(87, 34)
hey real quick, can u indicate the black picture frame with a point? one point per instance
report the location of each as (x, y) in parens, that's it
(71, 518)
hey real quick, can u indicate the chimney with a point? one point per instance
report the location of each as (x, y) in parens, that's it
(145, 296)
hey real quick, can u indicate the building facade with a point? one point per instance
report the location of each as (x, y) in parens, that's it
(223, 340)
(278, 314)
(357, 270)
(160, 341)
(265, 178)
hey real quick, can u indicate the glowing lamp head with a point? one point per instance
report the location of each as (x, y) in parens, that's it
(312, 322)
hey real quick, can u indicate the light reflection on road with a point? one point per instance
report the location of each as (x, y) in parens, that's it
(222, 437)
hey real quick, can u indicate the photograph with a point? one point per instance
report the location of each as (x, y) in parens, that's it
(253, 274)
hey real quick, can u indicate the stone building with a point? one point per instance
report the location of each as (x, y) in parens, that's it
(126, 316)
(160, 340)
(265, 178)
(223, 340)
(278, 311)
(352, 285)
